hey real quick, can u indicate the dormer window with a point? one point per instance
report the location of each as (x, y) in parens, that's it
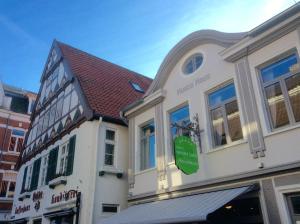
(137, 87)
(192, 64)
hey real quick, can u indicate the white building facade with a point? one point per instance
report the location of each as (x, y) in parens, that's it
(74, 163)
(243, 89)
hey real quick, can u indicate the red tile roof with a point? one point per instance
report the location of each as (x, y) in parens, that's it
(105, 85)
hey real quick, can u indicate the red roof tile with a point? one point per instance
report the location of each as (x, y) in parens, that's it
(105, 85)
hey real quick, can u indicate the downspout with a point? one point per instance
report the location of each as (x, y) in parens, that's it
(95, 168)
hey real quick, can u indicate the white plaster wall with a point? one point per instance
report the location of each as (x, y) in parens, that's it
(146, 180)
(282, 144)
(109, 189)
(81, 179)
(233, 159)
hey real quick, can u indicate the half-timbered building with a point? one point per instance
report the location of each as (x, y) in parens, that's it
(73, 166)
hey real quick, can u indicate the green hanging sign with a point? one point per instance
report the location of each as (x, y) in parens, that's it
(186, 157)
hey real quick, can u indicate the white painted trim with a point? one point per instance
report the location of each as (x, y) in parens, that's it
(281, 200)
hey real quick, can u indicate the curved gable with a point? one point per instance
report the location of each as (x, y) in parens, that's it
(186, 44)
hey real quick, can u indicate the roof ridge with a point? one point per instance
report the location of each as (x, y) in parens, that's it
(104, 60)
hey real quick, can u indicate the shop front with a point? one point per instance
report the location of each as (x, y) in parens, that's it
(236, 205)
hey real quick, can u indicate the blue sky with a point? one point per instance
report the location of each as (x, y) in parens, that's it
(136, 34)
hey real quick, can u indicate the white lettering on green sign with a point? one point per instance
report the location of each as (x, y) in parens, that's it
(186, 157)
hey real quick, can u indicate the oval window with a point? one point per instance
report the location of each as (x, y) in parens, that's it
(192, 64)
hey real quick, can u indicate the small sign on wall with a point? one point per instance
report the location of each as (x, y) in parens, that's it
(186, 157)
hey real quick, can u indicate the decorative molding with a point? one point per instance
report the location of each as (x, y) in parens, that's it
(253, 46)
(252, 176)
(186, 44)
(249, 109)
(160, 146)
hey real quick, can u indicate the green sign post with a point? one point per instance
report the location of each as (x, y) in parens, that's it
(186, 157)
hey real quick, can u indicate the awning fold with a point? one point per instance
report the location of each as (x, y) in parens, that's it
(182, 209)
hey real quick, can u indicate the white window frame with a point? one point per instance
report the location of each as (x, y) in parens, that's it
(43, 170)
(111, 142)
(141, 138)
(171, 156)
(280, 193)
(62, 161)
(17, 139)
(222, 105)
(281, 81)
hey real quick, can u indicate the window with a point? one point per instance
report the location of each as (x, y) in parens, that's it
(179, 117)
(63, 156)
(192, 64)
(282, 92)
(16, 140)
(109, 147)
(44, 166)
(137, 87)
(110, 208)
(19, 104)
(293, 201)
(11, 189)
(28, 178)
(3, 188)
(147, 151)
(7, 189)
(224, 116)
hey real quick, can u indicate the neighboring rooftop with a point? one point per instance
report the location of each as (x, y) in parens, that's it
(107, 87)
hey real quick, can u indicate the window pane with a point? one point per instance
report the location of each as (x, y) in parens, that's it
(147, 153)
(20, 144)
(276, 105)
(11, 190)
(277, 69)
(3, 188)
(110, 135)
(233, 120)
(110, 208)
(143, 154)
(293, 87)
(180, 117)
(151, 151)
(296, 204)
(218, 127)
(109, 149)
(12, 143)
(198, 61)
(18, 132)
(221, 95)
(109, 160)
(189, 68)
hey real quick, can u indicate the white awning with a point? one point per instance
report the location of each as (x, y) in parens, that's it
(183, 209)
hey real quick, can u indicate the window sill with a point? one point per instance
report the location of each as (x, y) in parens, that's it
(24, 196)
(233, 144)
(145, 171)
(13, 153)
(111, 170)
(6, 199)
(283, 129)
(58, 181)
